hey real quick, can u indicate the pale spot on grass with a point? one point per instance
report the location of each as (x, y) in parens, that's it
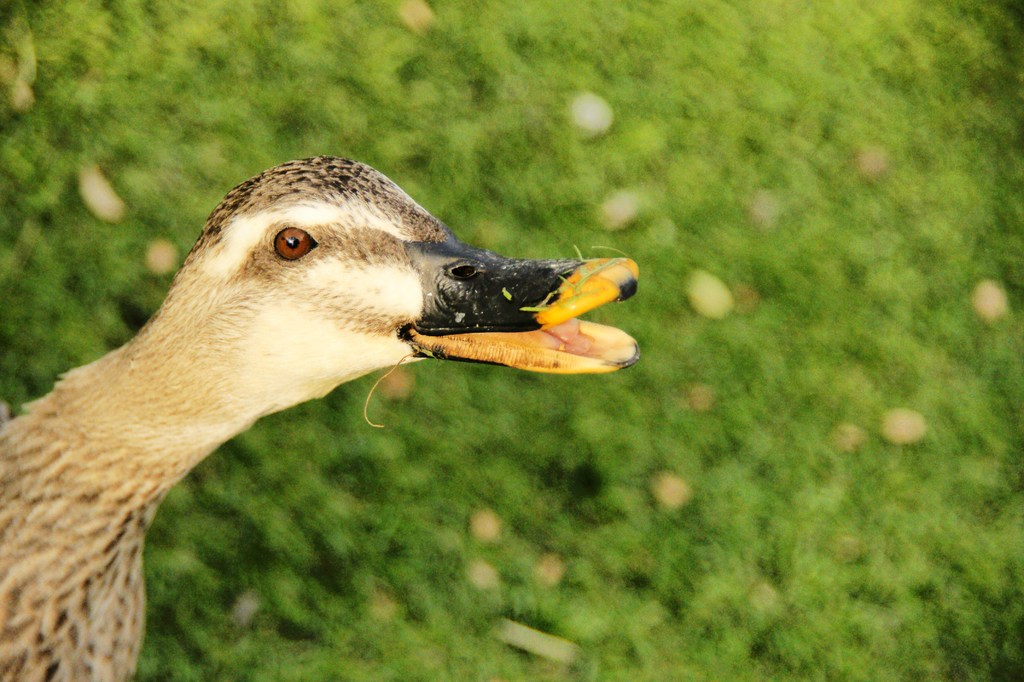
(19, 73)
(161, 257)
(902, 426)
(619, 210)
(848, 548)
(245, 608)
(417, 15)
(22, 96)
(700, 397)
(747, 298)
(382, 605)
(670, 491)
(537, 643)
(592, 114)
(763, 209)
(25, 48)
(482, 575)
(709, 296)
(549, 570)
(485, 526)
(764, 597)
(99, 195)
(664, 232)
(8, 70)
(989, 301)
(211, 155)
(847, 437)
(872, 163)
(397, 385)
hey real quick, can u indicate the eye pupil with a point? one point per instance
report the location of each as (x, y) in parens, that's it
(292, 243)
(463, 272)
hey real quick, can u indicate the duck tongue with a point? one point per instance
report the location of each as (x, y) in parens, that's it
(568, 338)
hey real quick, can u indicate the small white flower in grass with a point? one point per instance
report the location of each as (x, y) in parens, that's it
(485, 525)
(620, 209)
(763, 209)
(161, 257)
(902, 426)
(99, 195)
(245, 608)
(592, 114)
(482, 575)
(989, 301)
(872, 163)
(709, 296)
(549, 570)
(670, 490)
(22, 96)
(416, 15)
(847, 437)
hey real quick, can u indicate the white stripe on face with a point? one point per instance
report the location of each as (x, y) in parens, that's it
(388, 290)
(245, 233)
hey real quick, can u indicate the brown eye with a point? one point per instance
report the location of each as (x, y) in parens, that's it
(292, 243)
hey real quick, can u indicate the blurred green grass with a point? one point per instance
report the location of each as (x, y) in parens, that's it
(794, 559)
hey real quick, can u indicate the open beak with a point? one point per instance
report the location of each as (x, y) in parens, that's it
(481, 307)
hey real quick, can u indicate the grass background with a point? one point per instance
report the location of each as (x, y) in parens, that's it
(794, 559)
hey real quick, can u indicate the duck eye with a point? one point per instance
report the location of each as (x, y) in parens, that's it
(291, 243)
(463, 272)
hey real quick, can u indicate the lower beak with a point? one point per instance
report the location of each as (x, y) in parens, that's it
(559, 343)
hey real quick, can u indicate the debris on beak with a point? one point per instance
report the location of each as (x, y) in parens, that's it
(593, 284)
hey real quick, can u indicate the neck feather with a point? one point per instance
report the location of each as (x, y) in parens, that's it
(136, 418)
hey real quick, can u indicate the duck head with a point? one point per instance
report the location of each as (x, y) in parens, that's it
(317, 271)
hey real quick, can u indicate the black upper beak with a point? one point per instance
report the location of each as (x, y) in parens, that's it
(469, 290)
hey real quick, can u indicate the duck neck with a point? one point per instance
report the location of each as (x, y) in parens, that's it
(141, 414)
(81, 476)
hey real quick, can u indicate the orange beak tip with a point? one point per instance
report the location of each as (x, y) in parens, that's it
(592, 285)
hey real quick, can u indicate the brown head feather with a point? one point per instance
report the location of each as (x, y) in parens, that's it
(328, 179)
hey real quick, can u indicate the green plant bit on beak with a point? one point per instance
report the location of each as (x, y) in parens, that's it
(572, 289)
(543, 304)
(593, 284)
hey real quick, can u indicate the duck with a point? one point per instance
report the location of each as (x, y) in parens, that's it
(304, 277)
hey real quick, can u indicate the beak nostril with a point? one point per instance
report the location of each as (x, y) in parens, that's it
(464, 271)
